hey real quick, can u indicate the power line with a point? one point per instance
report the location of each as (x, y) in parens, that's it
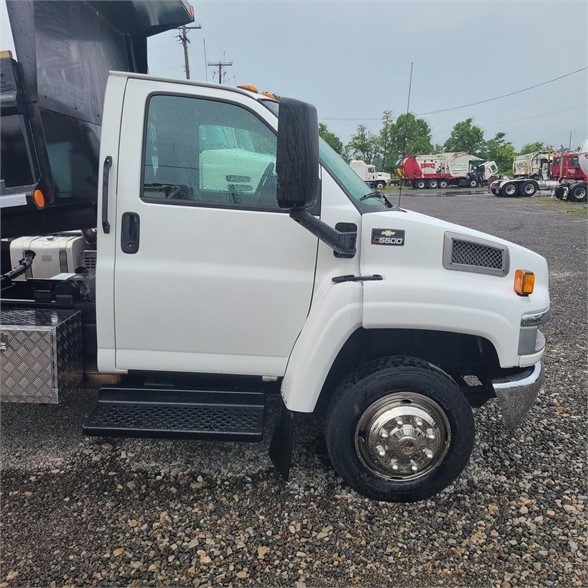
(467, 105)
(504, 95)
(535, 116)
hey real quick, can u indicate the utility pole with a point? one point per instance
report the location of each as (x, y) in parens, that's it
(183, 37)
(220, 65)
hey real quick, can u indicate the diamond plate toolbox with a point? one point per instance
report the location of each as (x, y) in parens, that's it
(40, 354)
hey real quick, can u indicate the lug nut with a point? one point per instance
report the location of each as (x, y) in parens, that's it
(381, 451)
(384, 434)
(413, 466)
(430, 434)
(394, 465)
(428, 453)
(399, 422)
(419, 423)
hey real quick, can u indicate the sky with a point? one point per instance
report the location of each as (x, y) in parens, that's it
(352, 60)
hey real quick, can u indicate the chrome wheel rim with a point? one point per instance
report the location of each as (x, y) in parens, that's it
(402, 436)
(529, 189)
(510, 190)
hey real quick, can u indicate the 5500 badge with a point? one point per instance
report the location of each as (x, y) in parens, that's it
(388, 237)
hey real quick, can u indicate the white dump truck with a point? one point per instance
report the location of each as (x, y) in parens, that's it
(369, 174)
(207, 300)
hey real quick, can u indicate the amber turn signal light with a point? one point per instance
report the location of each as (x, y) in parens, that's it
(39, 198)
(524, 283)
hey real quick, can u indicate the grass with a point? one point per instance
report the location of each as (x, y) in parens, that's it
(563, 207)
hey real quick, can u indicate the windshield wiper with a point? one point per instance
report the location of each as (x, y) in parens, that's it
(376, 194)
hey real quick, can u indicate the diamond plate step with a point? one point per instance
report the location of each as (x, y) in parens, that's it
(180, 414)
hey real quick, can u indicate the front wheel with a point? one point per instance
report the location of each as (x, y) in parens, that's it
(399, 429)
(577, 193)
(379, 185)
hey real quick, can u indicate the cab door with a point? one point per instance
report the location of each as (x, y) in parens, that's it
(210, 275)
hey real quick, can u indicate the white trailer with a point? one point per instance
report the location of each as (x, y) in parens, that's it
(368, 173)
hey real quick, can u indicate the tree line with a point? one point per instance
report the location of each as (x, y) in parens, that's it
(410, 135)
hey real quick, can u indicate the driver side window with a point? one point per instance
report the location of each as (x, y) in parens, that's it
(205, 152)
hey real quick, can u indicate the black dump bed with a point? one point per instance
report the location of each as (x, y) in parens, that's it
(51, 101)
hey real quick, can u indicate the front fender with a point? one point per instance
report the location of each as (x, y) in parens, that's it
(330, 323)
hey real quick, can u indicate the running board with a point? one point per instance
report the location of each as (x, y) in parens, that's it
(177, 414)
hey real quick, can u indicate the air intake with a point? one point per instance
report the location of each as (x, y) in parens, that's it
(468, 254)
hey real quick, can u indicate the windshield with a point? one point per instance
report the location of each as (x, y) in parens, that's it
(364, 198)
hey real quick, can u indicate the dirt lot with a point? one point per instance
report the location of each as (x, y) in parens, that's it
(110, 512)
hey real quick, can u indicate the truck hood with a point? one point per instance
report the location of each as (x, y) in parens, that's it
(441, 276)
(410, 242)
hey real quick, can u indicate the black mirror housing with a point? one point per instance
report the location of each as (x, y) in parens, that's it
(297, 161)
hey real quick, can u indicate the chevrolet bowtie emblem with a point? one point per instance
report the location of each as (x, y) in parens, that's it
(388, 233)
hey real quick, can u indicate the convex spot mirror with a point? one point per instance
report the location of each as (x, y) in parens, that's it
(297, 162)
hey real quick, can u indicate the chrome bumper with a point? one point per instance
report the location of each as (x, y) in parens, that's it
(516, 394)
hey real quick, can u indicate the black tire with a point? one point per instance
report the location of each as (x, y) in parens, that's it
(408, 385)
(577, 193)
(495, 191)
(529, 189)
(443, 184)
(420, 184)
(379, 185)
(432, 184)
(473, 183)
(509, 190)
(559, 193)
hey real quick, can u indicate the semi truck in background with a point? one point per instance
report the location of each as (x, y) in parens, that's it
(368, 173)
(559, 172)
(442, 170)
(217, 289)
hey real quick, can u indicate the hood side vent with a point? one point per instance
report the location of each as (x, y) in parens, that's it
(470, 254)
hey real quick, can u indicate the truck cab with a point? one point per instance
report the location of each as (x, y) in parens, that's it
(269, 258)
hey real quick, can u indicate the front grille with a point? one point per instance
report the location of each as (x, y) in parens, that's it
(469, 254)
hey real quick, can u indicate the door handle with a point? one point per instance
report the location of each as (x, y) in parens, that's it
(105, 177)
(129, 235)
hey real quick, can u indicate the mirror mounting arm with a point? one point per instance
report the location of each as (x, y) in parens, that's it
(343, 243)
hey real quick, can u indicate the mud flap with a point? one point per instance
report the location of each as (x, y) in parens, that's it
(280, 450)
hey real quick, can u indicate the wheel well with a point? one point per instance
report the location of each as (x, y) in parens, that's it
(470, 360)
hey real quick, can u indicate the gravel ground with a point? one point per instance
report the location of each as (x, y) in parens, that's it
(88, 511)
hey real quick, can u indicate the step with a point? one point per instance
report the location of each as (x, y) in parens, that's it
(177, 413)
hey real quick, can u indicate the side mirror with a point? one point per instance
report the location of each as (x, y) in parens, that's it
(297, 161)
